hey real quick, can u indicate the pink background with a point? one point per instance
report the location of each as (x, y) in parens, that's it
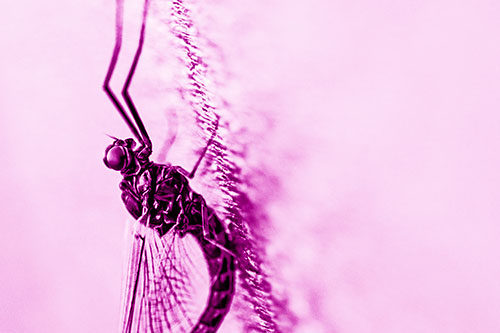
(379, 119)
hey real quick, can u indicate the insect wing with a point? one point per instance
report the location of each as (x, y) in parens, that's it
(166, 284)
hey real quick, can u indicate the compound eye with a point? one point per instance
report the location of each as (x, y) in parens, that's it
(116, 158)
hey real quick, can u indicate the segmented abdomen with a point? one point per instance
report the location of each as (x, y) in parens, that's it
(221, 264)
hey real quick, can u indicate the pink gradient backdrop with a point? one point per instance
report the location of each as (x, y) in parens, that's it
(380, 119)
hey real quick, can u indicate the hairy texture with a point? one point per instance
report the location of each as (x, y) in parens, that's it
(183, 69)
(226, 173)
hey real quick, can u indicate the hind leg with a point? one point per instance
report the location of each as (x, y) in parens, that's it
(204, 224)
(173, 124)
(191, 174)
(214, 232)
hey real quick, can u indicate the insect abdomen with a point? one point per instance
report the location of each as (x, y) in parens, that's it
(174, 197)
(221, 265)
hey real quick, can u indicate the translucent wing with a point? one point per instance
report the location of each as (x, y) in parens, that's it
(167, 282)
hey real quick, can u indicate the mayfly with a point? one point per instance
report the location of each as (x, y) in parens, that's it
(158, 196)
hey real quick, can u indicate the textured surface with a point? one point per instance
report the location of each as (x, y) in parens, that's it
(374, 126)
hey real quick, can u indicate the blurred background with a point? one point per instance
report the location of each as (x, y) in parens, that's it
(375, 124)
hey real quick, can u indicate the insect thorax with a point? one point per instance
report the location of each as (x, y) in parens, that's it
(160, 196)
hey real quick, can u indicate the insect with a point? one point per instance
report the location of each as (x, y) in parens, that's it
(158, 196)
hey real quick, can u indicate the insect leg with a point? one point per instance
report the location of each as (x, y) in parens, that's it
(209, 142)
(219, 237)
(173, 124)
(128, 81)
(111, 69)
(134, 293)
(221, 266)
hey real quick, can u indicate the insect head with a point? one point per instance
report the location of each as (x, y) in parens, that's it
(120, 155)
